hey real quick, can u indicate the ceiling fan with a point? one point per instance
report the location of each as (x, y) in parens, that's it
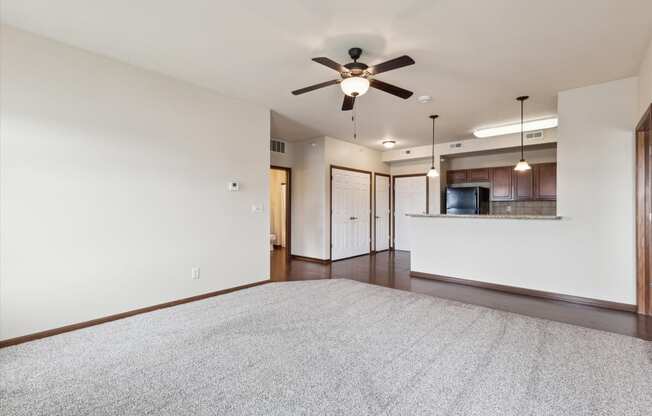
(356, 77)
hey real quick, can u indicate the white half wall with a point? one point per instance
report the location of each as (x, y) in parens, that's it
(590, 252)
(114, 185)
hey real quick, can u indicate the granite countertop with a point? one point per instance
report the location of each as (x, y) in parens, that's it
(490, 216)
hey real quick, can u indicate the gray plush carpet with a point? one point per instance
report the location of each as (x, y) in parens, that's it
(328, 347)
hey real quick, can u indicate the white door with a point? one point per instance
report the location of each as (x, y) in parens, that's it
(410, 196)
(382, 213)
(351, 206)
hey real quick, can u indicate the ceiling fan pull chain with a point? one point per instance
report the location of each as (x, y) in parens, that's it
(355, 123)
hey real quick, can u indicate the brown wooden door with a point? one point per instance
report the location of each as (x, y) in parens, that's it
(523, 185)
(501, 184)
(545, 181)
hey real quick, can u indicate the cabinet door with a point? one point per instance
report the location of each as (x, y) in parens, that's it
(456, 176)
(501, 184)
(478, 175)
(523, 185)
(545, 181)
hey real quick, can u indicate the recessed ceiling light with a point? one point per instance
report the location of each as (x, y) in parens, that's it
(424, 99)
(547, 123)
(389, 144)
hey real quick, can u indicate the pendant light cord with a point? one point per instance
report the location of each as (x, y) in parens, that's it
(432, 164)
(522, 155)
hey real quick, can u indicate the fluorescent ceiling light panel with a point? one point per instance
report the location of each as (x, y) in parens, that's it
(547, 123)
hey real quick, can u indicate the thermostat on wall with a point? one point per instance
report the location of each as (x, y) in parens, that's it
(234, 186)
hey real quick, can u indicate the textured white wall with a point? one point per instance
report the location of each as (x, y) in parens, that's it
(308, 199)
(114, 185)
(591, 251)
(645, 82)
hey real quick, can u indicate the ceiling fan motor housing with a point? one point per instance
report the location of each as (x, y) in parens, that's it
(355, 53)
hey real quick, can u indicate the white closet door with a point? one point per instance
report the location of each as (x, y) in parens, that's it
(410, 195)
(351, 207)
(382, 213)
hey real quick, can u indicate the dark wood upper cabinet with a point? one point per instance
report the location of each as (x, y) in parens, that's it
(478, 175)
(456, 176)
(501, 184)
(523, 185)
(545, 181)
(539, 183)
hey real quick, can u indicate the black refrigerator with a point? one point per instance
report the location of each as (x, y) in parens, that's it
(467, 200)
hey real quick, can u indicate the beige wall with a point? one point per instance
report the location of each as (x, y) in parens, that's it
(502, 158)
(113, 184)
(286, 159)
(645, 81)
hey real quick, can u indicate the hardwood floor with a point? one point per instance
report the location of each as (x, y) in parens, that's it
(392, 269)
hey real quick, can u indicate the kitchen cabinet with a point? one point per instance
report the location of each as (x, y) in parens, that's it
(502, 186)
(537, 184)
(478, 175)
(523, 185)
(545, 181)
(467, 176)
(456, 176)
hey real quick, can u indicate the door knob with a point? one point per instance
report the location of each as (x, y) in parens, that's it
(353, 218)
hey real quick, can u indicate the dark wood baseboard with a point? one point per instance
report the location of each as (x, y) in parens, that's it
(310, 259)
(86, 324)
(530, 292)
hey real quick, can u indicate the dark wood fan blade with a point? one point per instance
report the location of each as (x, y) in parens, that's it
(316, 86)
(392, 89)
(399, 62)
(330, 63)
(347, 105)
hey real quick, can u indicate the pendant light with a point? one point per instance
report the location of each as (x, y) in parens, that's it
(432, 173)
(522, 165)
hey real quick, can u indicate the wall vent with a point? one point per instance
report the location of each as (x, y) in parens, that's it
(534, 135)
(455, 145)
(277, 146)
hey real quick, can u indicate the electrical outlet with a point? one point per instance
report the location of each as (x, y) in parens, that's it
(195, 273)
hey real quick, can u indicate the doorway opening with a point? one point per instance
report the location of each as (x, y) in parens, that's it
(280, 197)
(644, 214)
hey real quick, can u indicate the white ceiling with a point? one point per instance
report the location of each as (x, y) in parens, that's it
(473, 57)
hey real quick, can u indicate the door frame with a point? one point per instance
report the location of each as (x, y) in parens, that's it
(389, 182)
(330, 207)
(288, 209)
(644, 213)
(393, 204)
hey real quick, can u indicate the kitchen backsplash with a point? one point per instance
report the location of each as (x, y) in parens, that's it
(524, 207)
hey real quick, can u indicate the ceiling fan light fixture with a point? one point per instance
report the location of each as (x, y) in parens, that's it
(389, 144)
(354, 86)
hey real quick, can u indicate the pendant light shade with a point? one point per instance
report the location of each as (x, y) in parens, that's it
(522, 165)
(432, 173)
